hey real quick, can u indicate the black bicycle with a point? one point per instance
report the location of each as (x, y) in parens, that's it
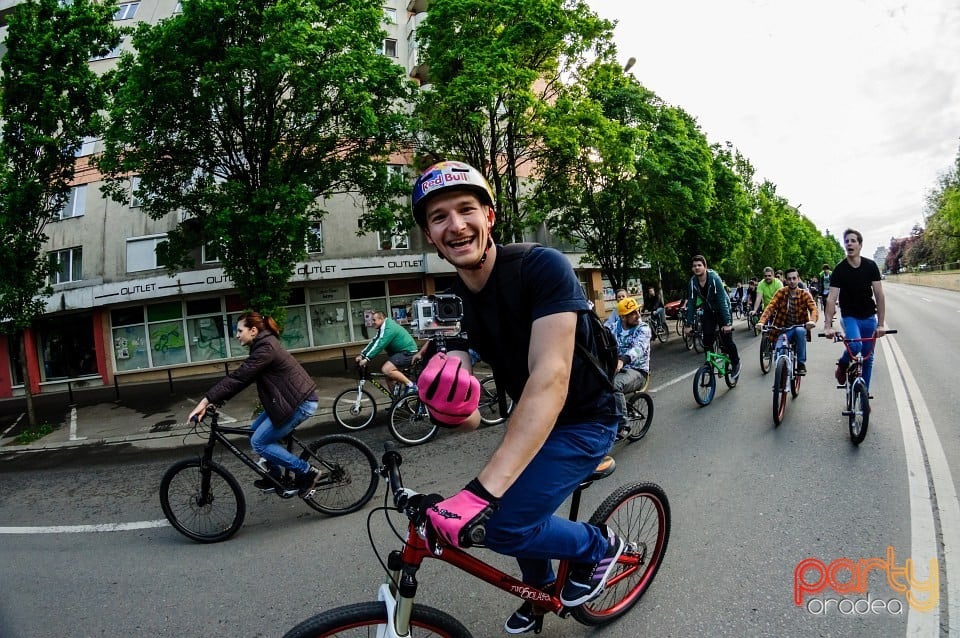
(204, 502)
(658, 326)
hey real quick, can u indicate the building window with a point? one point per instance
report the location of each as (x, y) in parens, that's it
(76, 203)
(135, 201)
(390, 48)
(126, 11)
(394, 242)
(389, 15)
(142, 253)
(178, 8)
(210, 252)
(112, 53)
(86, 147)
(67, 265)
(315, 238)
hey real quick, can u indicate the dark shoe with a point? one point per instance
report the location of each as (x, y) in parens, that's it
(267, 484)
(586, 582)
(522, 620)
(801, 368)
(623, 431)
(307, 481)
(410, 389)
(841, 373)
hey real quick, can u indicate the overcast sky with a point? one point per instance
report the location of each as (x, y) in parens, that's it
(851, 107)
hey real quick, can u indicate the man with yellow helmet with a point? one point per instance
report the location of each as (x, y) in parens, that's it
(633, 347)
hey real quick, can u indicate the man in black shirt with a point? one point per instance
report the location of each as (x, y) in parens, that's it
(856, 283)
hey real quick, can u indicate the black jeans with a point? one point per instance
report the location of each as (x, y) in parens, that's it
(710, 327)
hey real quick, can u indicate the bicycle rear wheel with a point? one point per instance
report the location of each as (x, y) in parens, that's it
(370, 619)
(202, 501)
(354, 409)
(704, 385)
(490, 403)
(780, 391)
(859, 413)
(639, 415)
(348, 470)
(766, 353)
(639, 514)
(410, 422)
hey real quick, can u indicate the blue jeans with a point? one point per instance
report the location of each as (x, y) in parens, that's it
(856, 328)
(799, 338)
(525, 527)
(265, 437)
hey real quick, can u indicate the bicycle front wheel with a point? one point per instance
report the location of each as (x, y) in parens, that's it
(354, 409)
(663, 333)
(780, 391)
(795, 382)
(410, 422)
(698, 342)
(348, 470)
(370, 619)
(202, 501)
(859, 415)
(639, 415)
(639, 514)
(490, 403)
(766, 354)
(704, 385)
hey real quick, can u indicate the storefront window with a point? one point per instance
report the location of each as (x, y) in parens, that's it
(206, 333)
(165, 328)
(66, 347)
(129, 339)
(328, 315)
(295, 332)
(365, 299)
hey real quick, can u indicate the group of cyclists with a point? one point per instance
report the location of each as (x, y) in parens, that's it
(526, 315)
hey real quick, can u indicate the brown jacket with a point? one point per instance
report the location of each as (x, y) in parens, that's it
(282, 383)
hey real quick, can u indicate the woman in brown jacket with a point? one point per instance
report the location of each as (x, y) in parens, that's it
(287, 393)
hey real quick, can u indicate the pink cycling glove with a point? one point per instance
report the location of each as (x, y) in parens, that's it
(449, 391)
(453, 518)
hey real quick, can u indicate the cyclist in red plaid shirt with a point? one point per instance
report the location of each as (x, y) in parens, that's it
(793, 306)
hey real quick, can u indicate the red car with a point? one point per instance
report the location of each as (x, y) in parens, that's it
(672, 308)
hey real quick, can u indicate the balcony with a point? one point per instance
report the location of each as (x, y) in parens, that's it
(418, 6)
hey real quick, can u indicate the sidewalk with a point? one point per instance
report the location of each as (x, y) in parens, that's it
(143, 412)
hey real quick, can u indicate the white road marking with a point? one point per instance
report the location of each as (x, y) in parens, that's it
(914, 416)
(73, 426)
(84, 529)
(925, 299)
(672, 381)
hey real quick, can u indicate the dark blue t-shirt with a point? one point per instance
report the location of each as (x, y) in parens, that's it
(856, 288)
(499, 329)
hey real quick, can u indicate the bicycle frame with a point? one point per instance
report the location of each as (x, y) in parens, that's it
(717, 359)
(399, 590)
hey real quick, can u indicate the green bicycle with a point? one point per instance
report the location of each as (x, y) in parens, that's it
(716, 363)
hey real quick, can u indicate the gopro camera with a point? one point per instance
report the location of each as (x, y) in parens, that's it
(437, 315)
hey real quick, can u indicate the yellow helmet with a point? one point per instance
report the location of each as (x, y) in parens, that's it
(627, 306)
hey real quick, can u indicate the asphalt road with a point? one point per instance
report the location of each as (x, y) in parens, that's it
(749, 502)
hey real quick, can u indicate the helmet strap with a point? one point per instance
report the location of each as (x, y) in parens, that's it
(483, 259)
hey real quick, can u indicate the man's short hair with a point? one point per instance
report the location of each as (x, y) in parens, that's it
(790, 270)
(699, 258)
(825, 267)
(767, 270)
(851, 231)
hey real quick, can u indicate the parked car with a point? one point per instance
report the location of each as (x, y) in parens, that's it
(672, 308)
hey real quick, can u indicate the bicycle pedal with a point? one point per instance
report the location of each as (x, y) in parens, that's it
(841, 387)
(288, 492)
(847, 412)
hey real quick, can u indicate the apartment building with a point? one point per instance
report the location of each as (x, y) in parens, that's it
(116, 314)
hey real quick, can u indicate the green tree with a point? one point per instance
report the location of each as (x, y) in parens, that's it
(50, 101)
(243, 114)
(494, 67)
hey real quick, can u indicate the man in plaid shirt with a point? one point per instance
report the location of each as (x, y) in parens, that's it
(793, 306)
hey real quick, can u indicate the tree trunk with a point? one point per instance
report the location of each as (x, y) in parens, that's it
(27, 392)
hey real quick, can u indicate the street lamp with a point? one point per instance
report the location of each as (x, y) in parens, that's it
(629, 64)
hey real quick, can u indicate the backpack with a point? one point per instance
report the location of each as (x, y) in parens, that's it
(510, 285)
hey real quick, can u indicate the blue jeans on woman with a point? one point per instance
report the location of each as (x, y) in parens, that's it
(265, 437)
(525, 526)
(856, 328)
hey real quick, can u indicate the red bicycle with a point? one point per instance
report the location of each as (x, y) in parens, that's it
(857, 408)
(637, 512)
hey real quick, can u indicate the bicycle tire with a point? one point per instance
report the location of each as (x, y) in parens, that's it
(209, 518)
(795, 382)
(859, 416)
(349, 470)
(358, 619)
(704, 385)
(663, 332)
(639, 513)
(353, 413)
(679, 326)
(490, 403)
(779, 391)
(698, 342)
(766, 354)
(639, 415)
(409, 421)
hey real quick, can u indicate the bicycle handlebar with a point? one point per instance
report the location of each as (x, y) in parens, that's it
(415, 505)
(839, 337)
